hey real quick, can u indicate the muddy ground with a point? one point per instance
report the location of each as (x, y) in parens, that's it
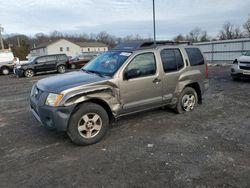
(209, 147)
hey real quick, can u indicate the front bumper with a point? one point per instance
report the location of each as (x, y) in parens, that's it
(237, 72)
(50, 117)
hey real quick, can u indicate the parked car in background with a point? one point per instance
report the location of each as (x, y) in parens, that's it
(241, 67)
(56, 62)
(81, 60)
(132, 77)
(6, 61)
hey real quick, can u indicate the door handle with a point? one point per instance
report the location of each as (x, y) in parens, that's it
(156, 80)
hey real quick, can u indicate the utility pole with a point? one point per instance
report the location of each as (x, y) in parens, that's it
(1, 39)
(154, 19)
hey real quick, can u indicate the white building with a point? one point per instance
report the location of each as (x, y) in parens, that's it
(63, 46)
(224, 50)
(92, 47)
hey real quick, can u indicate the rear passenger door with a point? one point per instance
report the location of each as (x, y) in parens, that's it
(50, 63)
(173, 65)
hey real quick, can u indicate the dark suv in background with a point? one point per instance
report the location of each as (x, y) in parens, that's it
(56, 62)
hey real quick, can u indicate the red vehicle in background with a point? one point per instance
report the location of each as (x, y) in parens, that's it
(81, 60)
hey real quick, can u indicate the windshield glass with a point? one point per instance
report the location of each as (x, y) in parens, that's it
(107, 63)
(247, 53)
(31, 59)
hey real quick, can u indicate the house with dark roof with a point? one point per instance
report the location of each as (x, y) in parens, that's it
(63, 46)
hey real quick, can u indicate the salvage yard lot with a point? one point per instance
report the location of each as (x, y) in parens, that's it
(209, 147)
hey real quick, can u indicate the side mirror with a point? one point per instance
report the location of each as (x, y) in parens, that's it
(133, 73)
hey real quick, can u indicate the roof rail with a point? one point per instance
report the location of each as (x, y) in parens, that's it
(135, 45)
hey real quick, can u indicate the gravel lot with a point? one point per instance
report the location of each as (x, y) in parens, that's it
(209, 147)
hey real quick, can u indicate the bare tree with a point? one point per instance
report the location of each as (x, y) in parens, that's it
(229, 31)
(204, 37)
(56, 35)
(194, 35)
(179, 38)
(246, 26)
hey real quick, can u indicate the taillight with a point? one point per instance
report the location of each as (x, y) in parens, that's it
(206, 71)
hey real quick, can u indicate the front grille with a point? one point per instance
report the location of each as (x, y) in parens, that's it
(244, 68)
(245, 62)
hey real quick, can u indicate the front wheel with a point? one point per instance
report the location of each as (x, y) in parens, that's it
(187, 100)
(5, 71)
(88, 124)
(28, 73)
(61, 69)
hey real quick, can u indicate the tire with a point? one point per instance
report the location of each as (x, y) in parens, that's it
(235, 78)
(88, 124)
(29, 73)
(61, 69)
(5, 71)
(187, 100)
(73, 66)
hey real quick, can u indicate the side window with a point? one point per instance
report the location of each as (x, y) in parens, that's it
(171, 60)
(62, 57)
(179, 59)
(51, 58)
(195, 56)
(41, 60)
(144, 64)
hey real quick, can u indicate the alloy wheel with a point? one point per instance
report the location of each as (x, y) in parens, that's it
(89, 125)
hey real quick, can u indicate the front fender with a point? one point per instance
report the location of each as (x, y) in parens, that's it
(108, 94)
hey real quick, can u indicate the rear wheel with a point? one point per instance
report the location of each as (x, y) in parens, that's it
(187, 100)
(5, 71)
(29, 73)
(61, 69)
(88, 124)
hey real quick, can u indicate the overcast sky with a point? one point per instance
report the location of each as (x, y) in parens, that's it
(121, 17)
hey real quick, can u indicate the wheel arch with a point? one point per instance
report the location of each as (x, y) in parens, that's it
(196, 87)
(97, 101)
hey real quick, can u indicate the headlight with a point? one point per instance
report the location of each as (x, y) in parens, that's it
(53, 99)
(18, 66)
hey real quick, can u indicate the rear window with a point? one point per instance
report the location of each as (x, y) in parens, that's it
(195, 56)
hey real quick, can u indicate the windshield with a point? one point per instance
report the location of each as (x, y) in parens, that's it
(31, 59)
(107, 63)
(247, 53)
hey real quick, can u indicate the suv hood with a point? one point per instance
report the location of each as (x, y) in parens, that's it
(57, 84)
(244, 59)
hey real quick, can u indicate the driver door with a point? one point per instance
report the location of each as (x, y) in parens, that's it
(141, 86)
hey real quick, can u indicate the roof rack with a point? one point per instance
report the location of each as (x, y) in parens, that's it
(135, 45)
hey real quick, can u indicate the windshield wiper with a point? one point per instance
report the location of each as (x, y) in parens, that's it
(92, 72)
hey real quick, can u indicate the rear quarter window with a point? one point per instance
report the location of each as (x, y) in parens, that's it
(195, 56)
